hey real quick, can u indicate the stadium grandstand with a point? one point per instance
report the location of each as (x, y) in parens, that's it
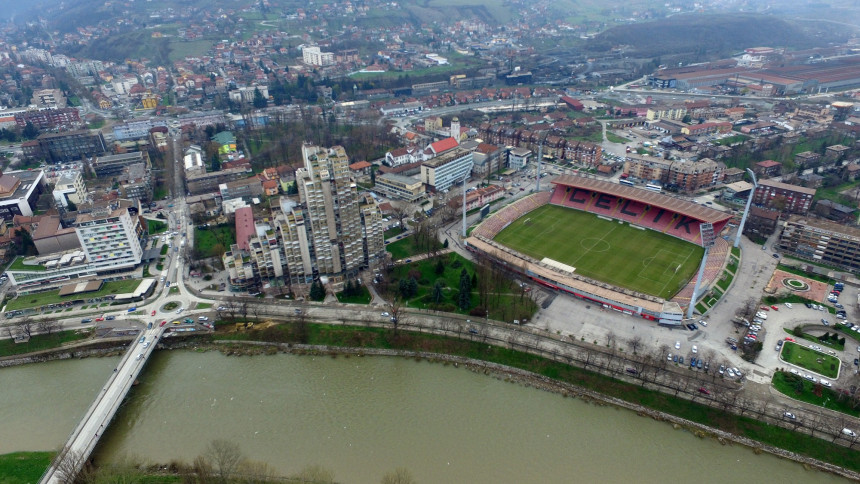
(616, 204)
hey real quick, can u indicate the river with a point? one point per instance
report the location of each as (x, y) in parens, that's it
(362, 417)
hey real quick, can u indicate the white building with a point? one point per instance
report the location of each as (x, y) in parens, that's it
(70, 187)
(193, 160)
(246, 94)
(447, 169)
(110, 237)
(312, 56)
(518, 158)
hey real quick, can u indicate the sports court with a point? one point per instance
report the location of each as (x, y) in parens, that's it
(642, 260)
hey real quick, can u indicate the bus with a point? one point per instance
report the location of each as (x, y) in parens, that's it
(627, 182)
(654, 187)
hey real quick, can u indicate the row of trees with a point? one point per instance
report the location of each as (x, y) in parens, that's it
(222, 462)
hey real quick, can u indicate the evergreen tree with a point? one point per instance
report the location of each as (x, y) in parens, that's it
(404, 288)
(440, 267)
(465, 299)
(317, 291)
(413, 287)
(445, 244)
(437, 293)
(475, 280)
(372, 176)
(260, 102)
(216, 163)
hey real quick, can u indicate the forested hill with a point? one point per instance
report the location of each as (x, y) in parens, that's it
(704, 35)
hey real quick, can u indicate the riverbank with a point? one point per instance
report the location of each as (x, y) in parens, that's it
(531, 370)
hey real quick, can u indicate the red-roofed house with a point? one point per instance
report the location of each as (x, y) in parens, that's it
(245, 228)
(439, 147)
(360, 168)
(270, 187)
(573, 103)
(768, 168)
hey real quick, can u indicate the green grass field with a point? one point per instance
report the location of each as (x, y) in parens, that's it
(641, 260)
(811, 360)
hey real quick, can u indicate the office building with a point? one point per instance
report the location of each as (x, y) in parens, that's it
(19, 192)
(313, 56)
(110, 237)
(446, 169)
(70, 146)
(70, 188)
(399, 186)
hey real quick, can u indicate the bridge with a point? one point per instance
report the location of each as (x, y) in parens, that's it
(83, 439)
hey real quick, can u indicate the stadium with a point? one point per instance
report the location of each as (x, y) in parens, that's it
(629, 249)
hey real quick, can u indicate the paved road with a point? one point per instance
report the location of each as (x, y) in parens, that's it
(86, 435)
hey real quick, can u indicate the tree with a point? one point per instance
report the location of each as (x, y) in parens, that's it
(24, 326)
(465, 299)
(437, 294)
(215, 162)
(71, 207)
(440, 267)
(225, 457)
(395, 309)
(445, 244)
(48, 326)
(635, 343)
(30, 131)
(372, 175)
(260, 102)
(315, 474)
(317, 291)
(401, 475)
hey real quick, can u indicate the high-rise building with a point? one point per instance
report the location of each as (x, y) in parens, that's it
(331, 199)
(110, 237)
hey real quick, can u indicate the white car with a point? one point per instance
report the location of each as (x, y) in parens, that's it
(730, 372)
(203, 318)
(386, 314)
(703, 322)
(695, 349)
(849, 432)
(180, 310)
(794, 372)
(788, 305)
(826, 383)
(677, 345)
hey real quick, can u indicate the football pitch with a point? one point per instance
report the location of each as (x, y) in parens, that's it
(608, 251)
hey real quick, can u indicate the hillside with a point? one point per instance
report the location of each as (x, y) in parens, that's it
(703, 35)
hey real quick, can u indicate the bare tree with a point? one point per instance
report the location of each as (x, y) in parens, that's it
(401, 475)
(396, 311)
(225, 457)
(10, 331)
(48, 326)
(315, 474)
(400, 211)
(24, 326)
(611, 338)
(69, 465)
(635, 343)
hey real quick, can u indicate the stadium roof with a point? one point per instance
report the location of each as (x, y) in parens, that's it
(648, 197)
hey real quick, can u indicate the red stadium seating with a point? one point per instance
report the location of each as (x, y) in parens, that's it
(630, 211)
(685, 228)
(656, 219)
(492, 226)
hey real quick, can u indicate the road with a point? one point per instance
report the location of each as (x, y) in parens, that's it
(89, 430)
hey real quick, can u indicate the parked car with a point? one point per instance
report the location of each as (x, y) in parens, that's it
(789, 415)
(677, 345)
(110, 318)
(86, 320)
(788, 305)
(695, 349)
(774, 307)
(704, 390)
(849, 432)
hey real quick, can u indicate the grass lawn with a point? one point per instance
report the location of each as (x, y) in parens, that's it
(203, 306)
(363, 297)
(40, 342)
(641, 260)
(614, 138)
(392, 232)
(49, 297)
(787, 384)
(738, 138)
(505, 304)
(804, 357)
(156, 226)
(403, 248)
(18, 265)
(214, 241)
(23, 467)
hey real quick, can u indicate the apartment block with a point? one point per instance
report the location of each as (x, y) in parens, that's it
(821, 241)
(70, 146)
(783, 197)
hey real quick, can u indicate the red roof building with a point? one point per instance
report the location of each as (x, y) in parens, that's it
(245, 228)
(441, 146)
